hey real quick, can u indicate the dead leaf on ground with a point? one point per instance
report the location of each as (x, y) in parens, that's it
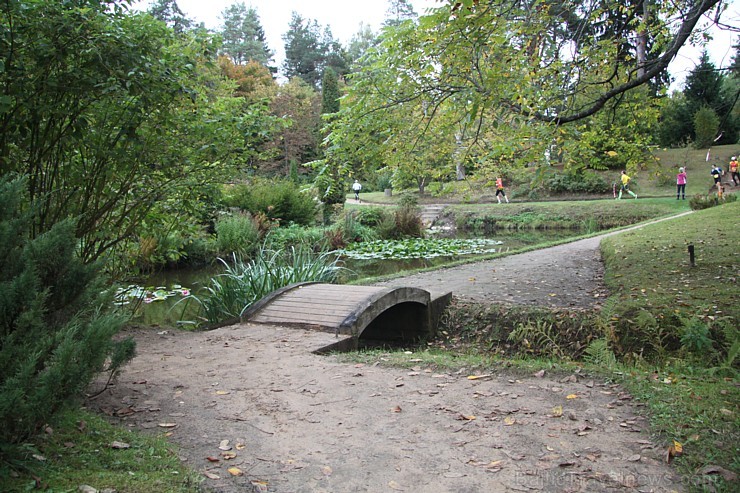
(396, 409)
(224, 445)
(167, 425)
(119, 445)
(235, 471)
(478, 377)
(557, 412)
(211, 475)
(211, 458)
(634, 458)
(508, 421)
(327, 471)
(228, 455)
(222, 392)
(540, 374)
(571, 396)
(395, 486)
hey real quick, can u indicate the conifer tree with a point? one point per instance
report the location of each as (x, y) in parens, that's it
(55, 334)
(243, 36)
(329, 92)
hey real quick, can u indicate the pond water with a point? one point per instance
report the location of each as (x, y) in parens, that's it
(163, 292)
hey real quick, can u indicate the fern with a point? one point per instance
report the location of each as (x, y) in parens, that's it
(540, 337)
(599, 353)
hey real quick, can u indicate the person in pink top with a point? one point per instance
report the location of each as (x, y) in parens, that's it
(681, 184)
(500, 190)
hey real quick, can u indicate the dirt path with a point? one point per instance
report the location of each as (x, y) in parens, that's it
(299, 422)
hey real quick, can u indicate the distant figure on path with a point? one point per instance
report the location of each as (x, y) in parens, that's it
(356, 187)
(500, 190)
(733, 172)
(625, 185)
(681, 184)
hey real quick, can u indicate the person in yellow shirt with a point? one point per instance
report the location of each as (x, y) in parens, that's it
(626, 185)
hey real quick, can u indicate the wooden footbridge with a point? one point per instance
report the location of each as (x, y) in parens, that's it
(352, 313)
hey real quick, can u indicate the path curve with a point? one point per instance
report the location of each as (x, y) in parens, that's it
(564, 276)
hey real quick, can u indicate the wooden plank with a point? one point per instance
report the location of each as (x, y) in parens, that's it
(326, 321)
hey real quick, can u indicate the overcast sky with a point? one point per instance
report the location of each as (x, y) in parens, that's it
(345, 16)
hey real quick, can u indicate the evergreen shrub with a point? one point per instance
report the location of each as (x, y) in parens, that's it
(55, 335)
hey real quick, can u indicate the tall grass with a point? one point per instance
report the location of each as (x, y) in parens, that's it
(229, 294)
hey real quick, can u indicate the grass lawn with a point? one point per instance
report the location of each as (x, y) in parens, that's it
(80, 448)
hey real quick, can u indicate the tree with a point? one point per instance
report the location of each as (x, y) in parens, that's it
(706, 125)
(55, 333)
(329, 92)
(359, 45)
(397, 12)
(169, 12)
(304, 53)
(299, 105)
(112, 116)
(243, 36)
(251, 79)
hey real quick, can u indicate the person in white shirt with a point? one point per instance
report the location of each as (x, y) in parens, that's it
(356, 187)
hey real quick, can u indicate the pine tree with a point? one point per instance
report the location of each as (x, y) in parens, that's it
(304, 54)
(398, 11)
(54, 332)
(243, 36)
(169, 12)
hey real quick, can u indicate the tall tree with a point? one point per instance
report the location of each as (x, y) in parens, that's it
(329, 92)
(398, 11)
(361, 42)
(299, 104)
(304, 50)
(243, 36)
(170, 13)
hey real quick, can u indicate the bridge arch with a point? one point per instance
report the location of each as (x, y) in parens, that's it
(397, 314)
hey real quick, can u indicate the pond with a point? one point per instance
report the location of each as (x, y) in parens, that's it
(160, 298)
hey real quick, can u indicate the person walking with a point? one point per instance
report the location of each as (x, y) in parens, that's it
(500, 190)
(681, 184)
(356, 187)
(625, 185)
(733, 172)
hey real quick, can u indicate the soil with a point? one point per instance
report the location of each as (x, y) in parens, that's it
(258, 400)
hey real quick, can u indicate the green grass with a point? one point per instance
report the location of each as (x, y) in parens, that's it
(76, 450)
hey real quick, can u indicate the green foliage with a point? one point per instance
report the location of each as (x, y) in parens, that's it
(706, 127)
(699, 202)
(419, 248)
(294, 234)
(599, 354)
(54, 334)
(659, 301)
(237, 234)
(371, 216)
(112, 113)
(243, 36)
(228, 295)
(329, 92)
(92, 460)
(278, 200)
(583, 182)
(539, 337)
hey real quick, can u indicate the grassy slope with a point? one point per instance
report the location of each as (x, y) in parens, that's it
(699, 408)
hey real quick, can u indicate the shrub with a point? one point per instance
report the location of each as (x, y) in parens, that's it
(237, 233)
(586, 182)
(699, 202)
(54, 334)
(292, 235)
(384, 181)
(706, 125)
(229, 294)
(370, 216)
(279, 200)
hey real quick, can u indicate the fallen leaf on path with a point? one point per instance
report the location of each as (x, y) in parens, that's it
(396, 409)
(508, 421)
(167, 425)
(395, 486)
(557, 411)
(222, 392)
(477, 377)
(240, 446)
(211, 475)
(235, 471)
(228, 455)
(326, 470)
(119, 445)
(571, 396)
(634, 458)
(674, 450)
(224, 445)
(211, 458)
(540, 374)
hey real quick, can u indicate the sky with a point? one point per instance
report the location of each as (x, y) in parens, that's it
(344, 17)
